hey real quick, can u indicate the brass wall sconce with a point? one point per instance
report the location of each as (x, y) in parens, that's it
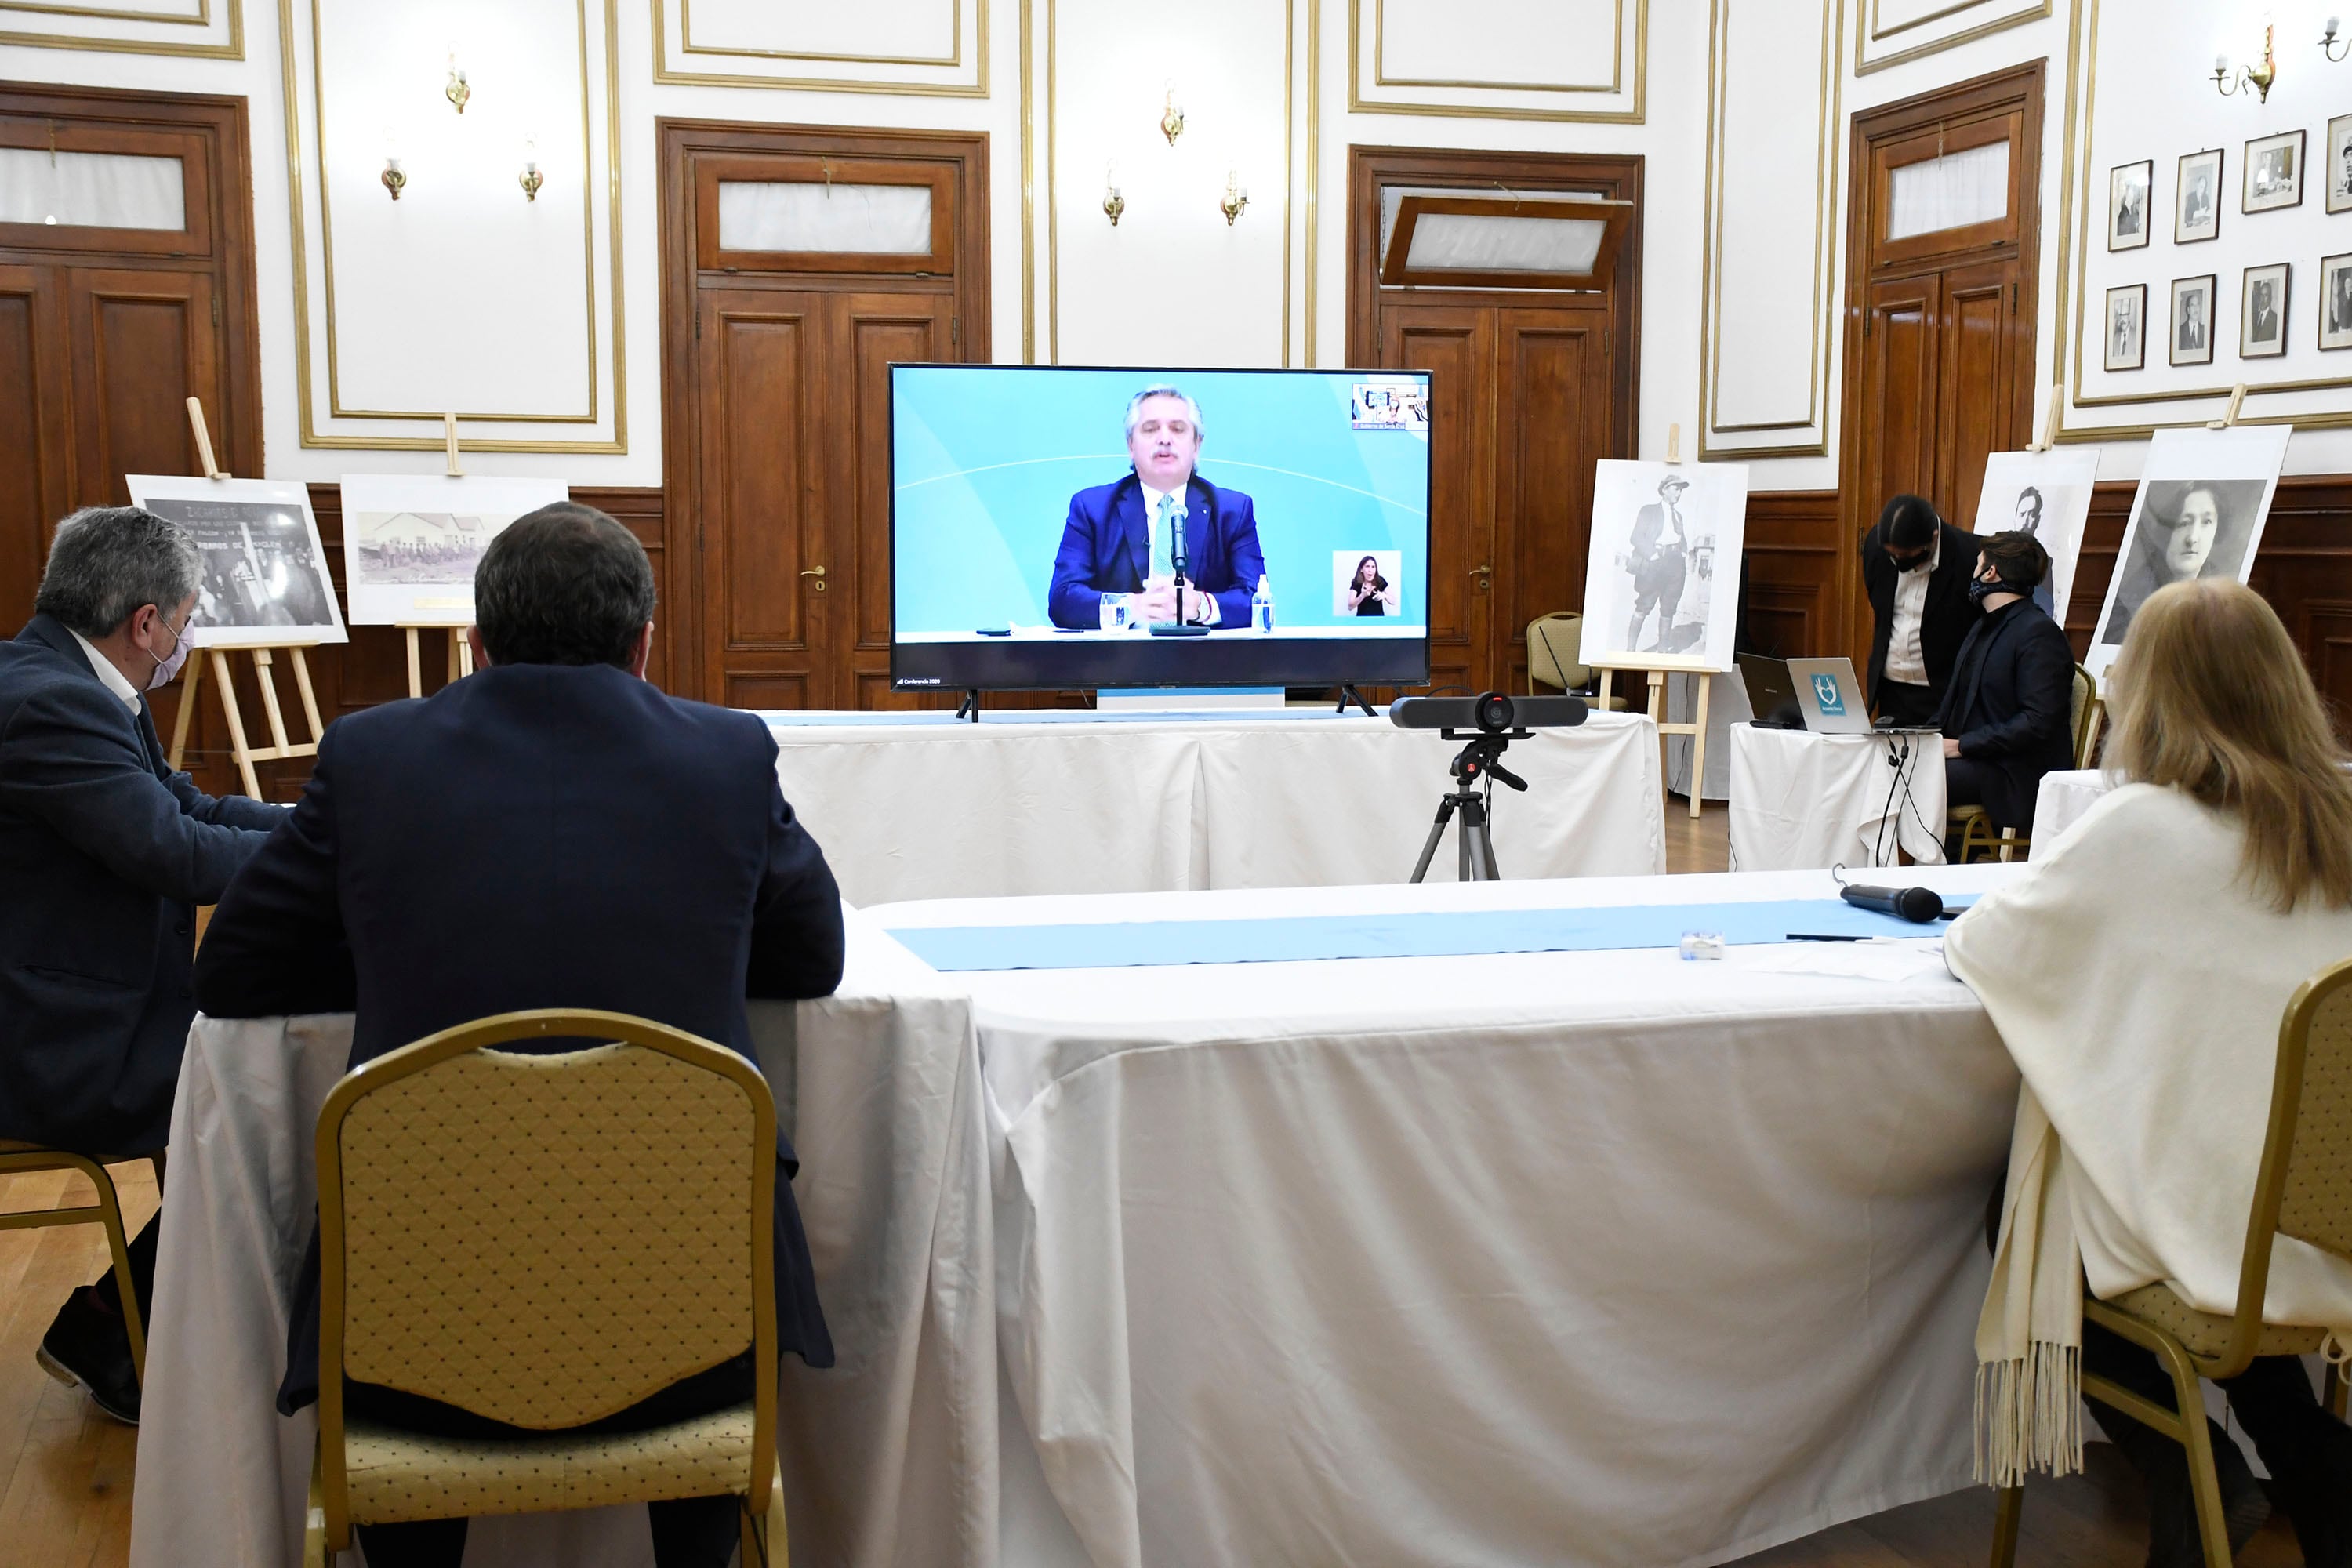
(2333, 46)
(394, 179)
(1113, 204)
(458, 91)
(1171, 118)
(530, 179)
(1236, 200)
(2257, 77)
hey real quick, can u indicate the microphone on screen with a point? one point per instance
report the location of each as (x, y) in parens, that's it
(1176, 515)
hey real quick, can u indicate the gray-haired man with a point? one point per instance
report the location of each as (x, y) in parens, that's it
(105, 853)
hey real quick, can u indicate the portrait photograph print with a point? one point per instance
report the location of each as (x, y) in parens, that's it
(2273, 173)
(2262, 312)
(2339, 163)
(2197, 204)
(410, 542)
(2203, 496)
(264, 581)
(2047, 495)
(2192, 318)
(2128, 191)
(2335, 301)
(2127, 327)
(1662, 573)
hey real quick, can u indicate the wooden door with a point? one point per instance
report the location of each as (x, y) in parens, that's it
(776, 412)
(1529, 387)
(35, 432)
(143, 342)
(1940, 309)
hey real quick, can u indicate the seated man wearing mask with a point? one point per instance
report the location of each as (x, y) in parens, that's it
(105, 853)
(1916, 569)
(2009, 717)
(550, 832)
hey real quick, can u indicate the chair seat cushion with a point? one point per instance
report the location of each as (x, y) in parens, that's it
(2206, 1334)
(394, 1475)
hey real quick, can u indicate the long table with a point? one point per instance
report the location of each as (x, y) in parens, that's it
(1595, 1257)
(918, 806)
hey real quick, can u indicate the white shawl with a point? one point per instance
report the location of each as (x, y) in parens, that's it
(2138, 981)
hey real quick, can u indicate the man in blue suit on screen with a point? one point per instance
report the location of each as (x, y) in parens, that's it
(1123, 537)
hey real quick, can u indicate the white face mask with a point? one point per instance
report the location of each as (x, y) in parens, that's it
(168, 669)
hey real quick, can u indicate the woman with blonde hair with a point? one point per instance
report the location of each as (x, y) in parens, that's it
(2137, 974)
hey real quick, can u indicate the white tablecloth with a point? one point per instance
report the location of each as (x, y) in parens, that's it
(890, 1458)
(1601, 1258)
(2060, 802)
(933, 810)
(1800, 800)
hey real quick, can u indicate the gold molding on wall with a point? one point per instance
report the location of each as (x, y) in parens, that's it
(1359, 104)
(954, 56)
(1314, 162)
(311, 437)
(232, 48)
(1052, 213)
(1381, 78)
(1028, 202)
(1873, 31)
(976, 89)
(1829, 142)
(2076, 205)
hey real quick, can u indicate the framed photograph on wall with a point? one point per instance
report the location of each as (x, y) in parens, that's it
(2339, 163)
(2128, 186)
(2196, 202)
(2273, 173)
(2335, 301)
(2127, 327)
(2261, 311)
(2191, 328)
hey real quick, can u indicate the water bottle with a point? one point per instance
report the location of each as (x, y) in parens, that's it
(1262, 606)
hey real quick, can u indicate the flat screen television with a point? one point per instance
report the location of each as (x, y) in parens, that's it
(1035, 511)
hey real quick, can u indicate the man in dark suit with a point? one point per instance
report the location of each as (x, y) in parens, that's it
(1656, 557)
(105, 853)
(2008, 716)
(1916, 569)
(550, 832)
(1122, 537)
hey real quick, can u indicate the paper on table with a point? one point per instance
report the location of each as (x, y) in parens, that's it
(1879, 958)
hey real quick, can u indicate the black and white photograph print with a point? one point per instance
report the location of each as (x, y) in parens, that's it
(410, 542)
(2203, 498)
(2273, 173)
(2196, 202)
(1660, 531)
(2262, 312)
(2127, 327)
(2339, 163)
(2128, 186)
(2047, 495)
(264, 578)
(2191, 321)
(2335, 301)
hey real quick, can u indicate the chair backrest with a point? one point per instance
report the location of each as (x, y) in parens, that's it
(2304, 1187)
(1554, 641)
(546, 1240)
(2086, 714)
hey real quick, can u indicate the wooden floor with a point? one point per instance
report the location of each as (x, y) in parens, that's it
(64, 1470)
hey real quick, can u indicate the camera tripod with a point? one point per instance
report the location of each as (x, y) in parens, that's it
(1474, 769)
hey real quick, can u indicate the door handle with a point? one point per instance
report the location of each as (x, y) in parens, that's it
(817, 572)
(1485, 576)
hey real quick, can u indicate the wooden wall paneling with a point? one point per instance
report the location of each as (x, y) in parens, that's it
(35, 435)
(1795, 540)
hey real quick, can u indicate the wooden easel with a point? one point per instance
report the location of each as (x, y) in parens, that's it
(2049, 441)
(1657, 667)
(461, 653)
(242, 750)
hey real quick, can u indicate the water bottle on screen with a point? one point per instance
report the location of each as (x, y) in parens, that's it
(1262, 606)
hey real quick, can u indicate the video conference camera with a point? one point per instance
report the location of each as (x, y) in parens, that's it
(1490, 713)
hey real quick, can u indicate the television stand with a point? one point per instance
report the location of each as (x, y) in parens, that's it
(969, 706)
(1349, 694)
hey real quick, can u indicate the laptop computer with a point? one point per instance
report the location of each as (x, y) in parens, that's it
(1772, 695)
(1830, 697)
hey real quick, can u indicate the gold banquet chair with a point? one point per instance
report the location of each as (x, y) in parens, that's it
(1554, 641)
(545, 1240)
(2304, 1191)
(106, 1213)
(1975, 826)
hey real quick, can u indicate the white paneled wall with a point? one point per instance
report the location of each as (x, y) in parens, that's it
(466, 296)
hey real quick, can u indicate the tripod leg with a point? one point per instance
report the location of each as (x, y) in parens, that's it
(1494, 873)
(1467, 865)
(1437, 836)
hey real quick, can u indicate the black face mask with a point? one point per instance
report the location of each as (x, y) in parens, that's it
(1980, 589)
(1911, 562)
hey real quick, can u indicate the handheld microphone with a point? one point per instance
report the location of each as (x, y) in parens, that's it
(1918, 905)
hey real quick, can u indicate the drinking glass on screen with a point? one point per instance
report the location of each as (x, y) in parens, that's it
(1117, 613)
